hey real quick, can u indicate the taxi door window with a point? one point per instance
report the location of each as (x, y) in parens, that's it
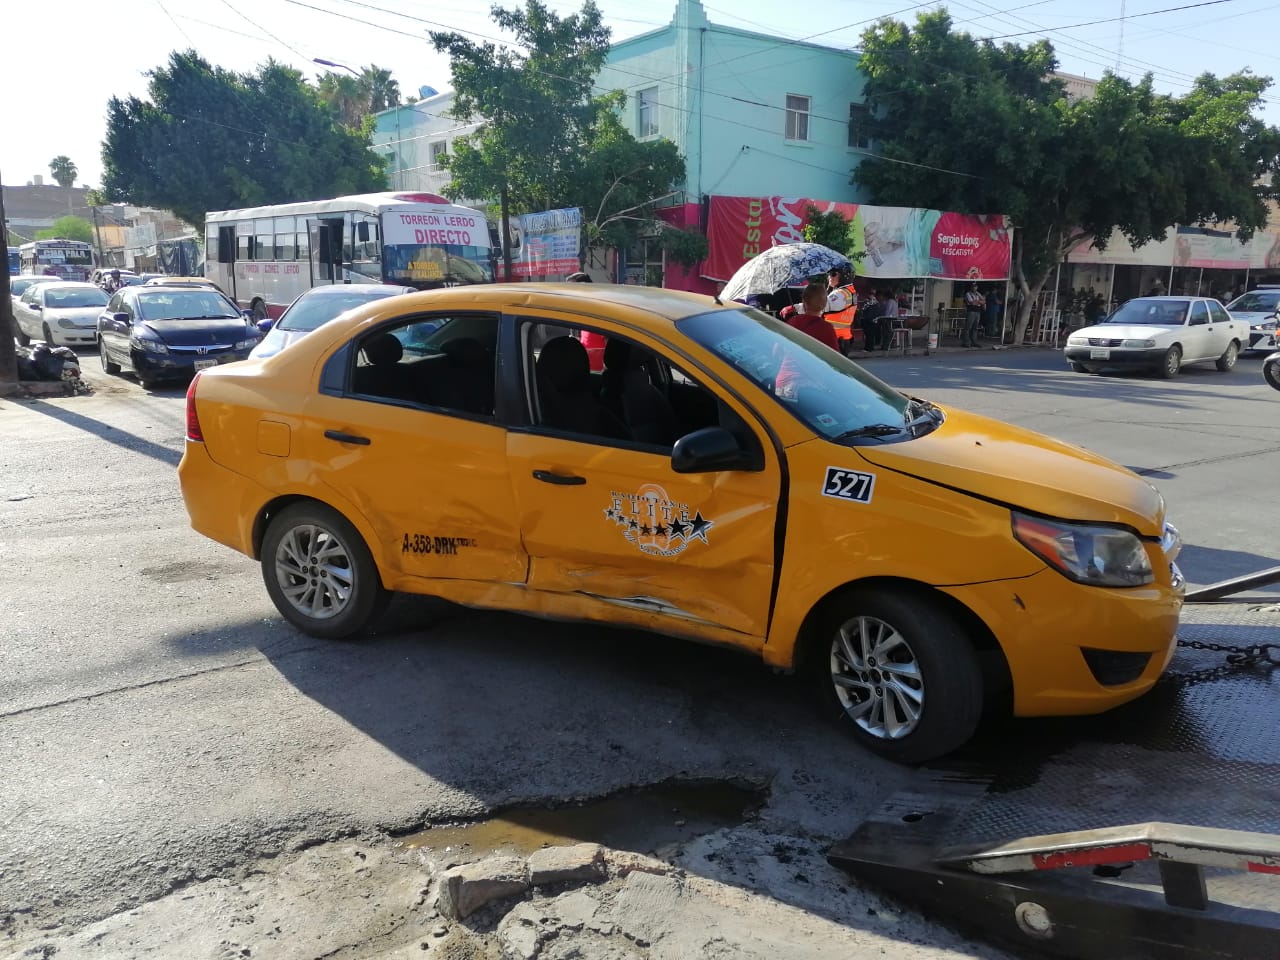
(626, 394)
(1219, 313)
(442, 362)
(1199, 315)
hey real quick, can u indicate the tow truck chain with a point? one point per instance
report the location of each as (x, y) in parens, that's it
(1263, 655)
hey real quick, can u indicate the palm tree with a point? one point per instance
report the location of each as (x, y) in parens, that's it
(347, 96)
(63, 170)
(382, 91)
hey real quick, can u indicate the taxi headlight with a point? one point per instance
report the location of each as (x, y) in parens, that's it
(1100, 556)
(1077, 341)
(1139, 344)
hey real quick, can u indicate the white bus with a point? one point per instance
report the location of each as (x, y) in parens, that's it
(69, 259)
(264, 257)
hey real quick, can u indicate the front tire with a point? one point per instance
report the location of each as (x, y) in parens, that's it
(320, 573)
(1271, 373)
(1077, 367)
(1171, 363)
(896, 671)
(48, 335)
(1227, 361)
(23, 339)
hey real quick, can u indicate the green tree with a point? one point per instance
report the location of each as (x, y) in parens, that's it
(345, 95)
(380, 89)
(1001, 136)
(206, 138)
(832, 229)
(68, 228)
(63, 170)
(548, 141)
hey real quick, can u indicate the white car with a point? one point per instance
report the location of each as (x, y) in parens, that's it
(1260, 309)
(1161, 334)
(18, 285)
(62, 314)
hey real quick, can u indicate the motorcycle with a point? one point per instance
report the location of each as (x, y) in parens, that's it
(1271, 369)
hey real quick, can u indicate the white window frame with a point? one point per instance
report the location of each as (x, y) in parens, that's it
(647, 113)
(435, 150)
(797, 122)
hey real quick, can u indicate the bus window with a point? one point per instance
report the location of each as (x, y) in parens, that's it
(244, 247)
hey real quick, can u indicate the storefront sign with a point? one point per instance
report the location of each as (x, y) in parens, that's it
(1208, 248)
(900, 242)
(546, 244)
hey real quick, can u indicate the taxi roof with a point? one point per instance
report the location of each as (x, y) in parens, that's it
(659, 303)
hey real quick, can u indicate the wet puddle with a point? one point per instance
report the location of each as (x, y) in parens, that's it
(646, 821)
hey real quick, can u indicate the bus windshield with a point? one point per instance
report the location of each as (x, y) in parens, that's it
(436, 265)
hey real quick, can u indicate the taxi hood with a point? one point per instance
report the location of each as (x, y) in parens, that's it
(1025, 470)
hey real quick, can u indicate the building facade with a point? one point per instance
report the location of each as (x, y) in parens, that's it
(414, 137)
(752, 114)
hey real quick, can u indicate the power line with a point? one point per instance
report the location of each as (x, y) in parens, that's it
(175, 23)
(284, 43)
(1133, 16)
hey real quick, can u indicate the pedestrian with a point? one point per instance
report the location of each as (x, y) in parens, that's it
(113, 282)
(1095, 310)
(1157, 288)
(888, 318)
(577, 277)
(810, 319)
(974, 304)
(842, 301)
(869, 320)
(993, 314)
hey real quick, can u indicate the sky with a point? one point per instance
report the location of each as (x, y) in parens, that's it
(62, 66)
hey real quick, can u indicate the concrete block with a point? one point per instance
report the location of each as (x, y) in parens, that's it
(582, 861)
(467, 888)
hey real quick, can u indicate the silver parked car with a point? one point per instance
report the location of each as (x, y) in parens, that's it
(61, 314)
(317, 307)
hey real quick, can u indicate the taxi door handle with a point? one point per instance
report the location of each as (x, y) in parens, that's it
(347, 438)
(560, 479)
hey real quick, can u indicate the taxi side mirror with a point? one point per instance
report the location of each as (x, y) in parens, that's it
(710, 450)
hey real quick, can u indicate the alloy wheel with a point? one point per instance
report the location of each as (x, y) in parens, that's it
(314, 571)
(877, 677)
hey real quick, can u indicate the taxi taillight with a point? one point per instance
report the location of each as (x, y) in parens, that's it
(193, 418)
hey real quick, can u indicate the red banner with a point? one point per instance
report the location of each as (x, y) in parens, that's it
(899, 242)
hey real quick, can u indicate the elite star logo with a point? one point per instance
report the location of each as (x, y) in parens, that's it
(656, 524)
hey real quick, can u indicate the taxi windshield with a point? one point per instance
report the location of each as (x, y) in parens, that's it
(829, 393)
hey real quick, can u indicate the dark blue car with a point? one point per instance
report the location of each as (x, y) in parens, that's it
(168, 333)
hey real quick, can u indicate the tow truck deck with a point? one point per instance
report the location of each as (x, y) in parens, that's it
(1152, 831)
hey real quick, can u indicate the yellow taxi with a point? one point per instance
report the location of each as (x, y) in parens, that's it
(723, 478)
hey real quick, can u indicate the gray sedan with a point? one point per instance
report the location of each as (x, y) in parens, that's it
(63, 314)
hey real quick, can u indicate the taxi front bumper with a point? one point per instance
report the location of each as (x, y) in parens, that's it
(1077, 649)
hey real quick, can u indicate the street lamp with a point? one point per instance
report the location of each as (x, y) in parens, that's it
(331, 63)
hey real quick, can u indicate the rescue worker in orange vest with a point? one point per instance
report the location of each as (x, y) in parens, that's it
(842, 306)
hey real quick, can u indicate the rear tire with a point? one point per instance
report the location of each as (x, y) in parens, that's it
(1227, 361)
(320, 573)
(1171, 363)
(23, 339)
(896, 671)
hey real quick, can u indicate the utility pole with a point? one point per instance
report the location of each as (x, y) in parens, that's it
(8, 358)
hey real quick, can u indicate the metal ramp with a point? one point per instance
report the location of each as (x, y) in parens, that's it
(1152, 831)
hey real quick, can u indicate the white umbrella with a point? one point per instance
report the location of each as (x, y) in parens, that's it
(787, 265)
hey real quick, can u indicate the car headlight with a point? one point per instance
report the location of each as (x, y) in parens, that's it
(248, 344)
(1100, 556)
(1263, 327)
(147, 344)
(66, 324)
(1077, 341)
(1139, 344)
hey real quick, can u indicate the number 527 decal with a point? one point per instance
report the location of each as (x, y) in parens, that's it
(849, 485)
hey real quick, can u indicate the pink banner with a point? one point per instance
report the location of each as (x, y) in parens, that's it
(899, 242)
